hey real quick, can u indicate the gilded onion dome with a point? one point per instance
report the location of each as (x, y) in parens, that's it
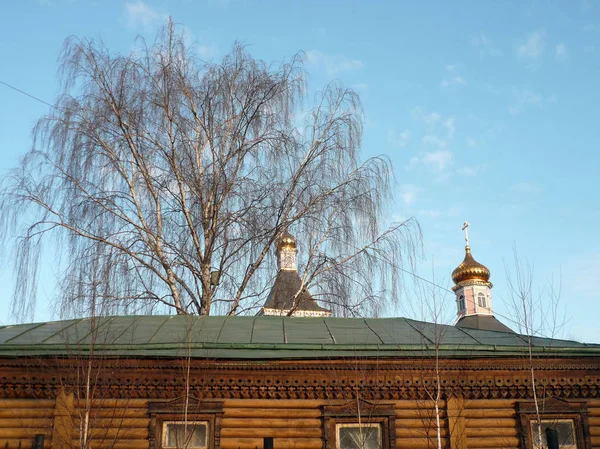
(286, 240)
(471, 271)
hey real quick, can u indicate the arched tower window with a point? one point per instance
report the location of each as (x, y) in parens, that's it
(461, 303)
(481, 302)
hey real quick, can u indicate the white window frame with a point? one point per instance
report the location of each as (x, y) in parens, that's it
(554, 421)
(481, 301)
(462, 305)
(165, 425)
(338, 426)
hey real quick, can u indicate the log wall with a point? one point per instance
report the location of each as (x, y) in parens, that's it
(22, 419)
(293, 423)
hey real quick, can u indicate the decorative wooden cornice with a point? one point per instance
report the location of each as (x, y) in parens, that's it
(336, 379)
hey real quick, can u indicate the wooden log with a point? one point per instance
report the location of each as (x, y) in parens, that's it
(119, 444)
(113, 403)
(117, 434)
(489, 413)
(279, 443)
(27, 413)
(594, 431)
(272, 403)
(113, 412)
(490, 403)
(25, 443)
(419, 423)
(265, 432)
(271, 413)
(421, 433)
(494, 442)
(418, 443)
(24, 433)
(27, 403)
(417, 414)
(491, 422)
(492, 432)
(25, 423)
(125, 423)
(594, 421)
(276, 423)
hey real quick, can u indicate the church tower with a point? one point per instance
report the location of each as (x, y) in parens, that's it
(288, 296)
(472, 287)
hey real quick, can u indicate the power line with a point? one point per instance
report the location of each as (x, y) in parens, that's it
(396, 266)
(27, 94)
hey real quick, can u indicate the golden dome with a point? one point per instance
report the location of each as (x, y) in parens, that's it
(470, 270)
(286, 240)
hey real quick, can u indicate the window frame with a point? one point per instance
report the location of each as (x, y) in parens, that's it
(341, 425)
(481, 301)
(381, 413)
(462, 304)
(163, 443)
(194, 410)
(569, 420)
(554, 409)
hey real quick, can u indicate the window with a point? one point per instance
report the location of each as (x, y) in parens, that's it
(565, 432)
(185, 434)
(367, 425)
(358, 436)
(461, 303)
(569, 419)
(185, 424)
(481, 300)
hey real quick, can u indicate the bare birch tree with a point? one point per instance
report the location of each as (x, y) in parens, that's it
(157, 169)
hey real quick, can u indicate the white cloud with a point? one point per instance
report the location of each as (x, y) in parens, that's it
(399, 139)
(452, 78)
(429, 118)
(438, 160)
(590, 28)
(531, 49)
(561, 52)
(454, 81)
(408, 193)
(484, 45)
(435, 141)
(471, 170)
(471, 142)
(523, 99)
(140, 16)
(526, 187)
(333, 64)
(449, 125)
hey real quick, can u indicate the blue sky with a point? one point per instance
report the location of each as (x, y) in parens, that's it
(488, 111)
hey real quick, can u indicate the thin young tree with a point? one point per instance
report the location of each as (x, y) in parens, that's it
(173, 177)
(536, 314)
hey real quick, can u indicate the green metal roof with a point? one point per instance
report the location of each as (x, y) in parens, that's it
(268, 337)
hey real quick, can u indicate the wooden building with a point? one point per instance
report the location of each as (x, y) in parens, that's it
(307, 382)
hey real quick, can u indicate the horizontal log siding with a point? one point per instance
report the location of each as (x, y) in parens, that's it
(293, 424)
(416, 426)
(114, 424)
(22, 419)
(491, 424)
(594, 422)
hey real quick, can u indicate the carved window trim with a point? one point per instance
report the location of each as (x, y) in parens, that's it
(364, 412)
(192, 411)
(558, 410)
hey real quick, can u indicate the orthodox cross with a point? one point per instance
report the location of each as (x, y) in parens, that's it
(465, 228)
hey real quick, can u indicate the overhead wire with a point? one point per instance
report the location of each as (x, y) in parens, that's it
(395, 265)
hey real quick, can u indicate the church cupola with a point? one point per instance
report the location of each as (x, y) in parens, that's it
(472, 284)
(289, 295)
(472, 287)
(286, 252)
